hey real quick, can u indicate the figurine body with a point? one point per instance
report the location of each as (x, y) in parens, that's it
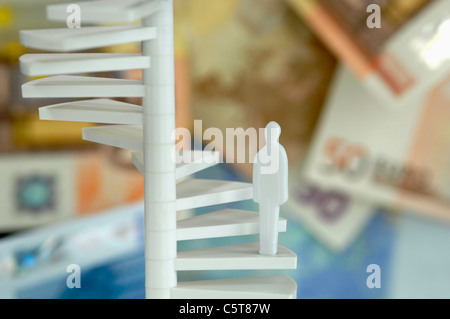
(270, 187)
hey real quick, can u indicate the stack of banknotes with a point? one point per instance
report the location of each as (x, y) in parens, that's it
(383, 136)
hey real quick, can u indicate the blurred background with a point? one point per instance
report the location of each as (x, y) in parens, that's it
(365, 117)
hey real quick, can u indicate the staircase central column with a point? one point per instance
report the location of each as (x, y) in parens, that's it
(159, 174)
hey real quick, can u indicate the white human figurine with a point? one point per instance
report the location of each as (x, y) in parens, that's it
(270, 187)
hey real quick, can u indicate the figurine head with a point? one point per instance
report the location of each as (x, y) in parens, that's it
(272, 132)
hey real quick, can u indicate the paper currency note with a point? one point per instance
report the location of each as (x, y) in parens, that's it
(46, 187)
(332, 216)
(405, 52)
(396, 156)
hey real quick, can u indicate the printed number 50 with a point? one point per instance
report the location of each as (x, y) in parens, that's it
(341, 156)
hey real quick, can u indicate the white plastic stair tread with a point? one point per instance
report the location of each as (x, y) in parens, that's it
(107, 10)
(62, 86)
(95, 111)
(72, 63)
(194, 193)
(66, 39)
(270, 287)
(200, 160)
(234, 257)
(191, 193)
(131, 137)
(222, 223)
(123, 136)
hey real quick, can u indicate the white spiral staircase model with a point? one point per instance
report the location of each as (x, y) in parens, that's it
(147, 130)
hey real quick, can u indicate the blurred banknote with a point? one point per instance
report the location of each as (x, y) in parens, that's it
(332, 216)
(393, 46)
(395, 156)
(45, 187)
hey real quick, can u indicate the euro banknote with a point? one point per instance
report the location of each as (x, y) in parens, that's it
(46, 187)
(332, 216)
(397, 157)
(394, 47)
